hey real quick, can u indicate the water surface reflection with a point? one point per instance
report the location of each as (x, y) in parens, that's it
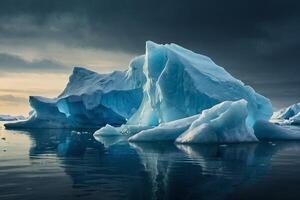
(75, 165)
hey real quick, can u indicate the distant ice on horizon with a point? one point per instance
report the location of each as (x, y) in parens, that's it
(11, 118)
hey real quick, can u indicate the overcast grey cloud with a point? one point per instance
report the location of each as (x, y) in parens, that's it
(13, 63)
(258, 41)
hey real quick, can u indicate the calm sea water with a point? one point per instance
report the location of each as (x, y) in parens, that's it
(60, 164)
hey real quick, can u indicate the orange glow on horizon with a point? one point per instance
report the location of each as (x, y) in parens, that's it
(16, 88)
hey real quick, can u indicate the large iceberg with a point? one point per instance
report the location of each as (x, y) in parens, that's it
(90, 100)
(223, 123)
(167, 83)
(181, 83)
(289, 115)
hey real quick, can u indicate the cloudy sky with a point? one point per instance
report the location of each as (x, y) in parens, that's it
(258, 41)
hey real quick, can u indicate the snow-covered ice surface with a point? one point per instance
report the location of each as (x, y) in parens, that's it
(125, 129)
(90, 100)
(107, 130)
(11, 118)
(181, 83)
(168, 131)
(223, 123)
(265, 130)
(289, 115)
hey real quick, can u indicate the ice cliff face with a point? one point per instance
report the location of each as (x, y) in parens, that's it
(181, 83)
(90, 100)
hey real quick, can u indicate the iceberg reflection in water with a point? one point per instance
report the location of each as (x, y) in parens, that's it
(60, 164)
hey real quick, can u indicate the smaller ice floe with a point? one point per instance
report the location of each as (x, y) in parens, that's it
(289, 115)
(128, 130)
(223, 123)
(168, 131)
(11, 118)
(265, 130)
(107, 130)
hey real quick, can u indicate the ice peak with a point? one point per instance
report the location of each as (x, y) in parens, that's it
(81, 71)
(151, 44)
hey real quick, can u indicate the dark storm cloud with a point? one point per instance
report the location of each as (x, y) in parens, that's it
(13, 63)
(127, 24)
(256, 40)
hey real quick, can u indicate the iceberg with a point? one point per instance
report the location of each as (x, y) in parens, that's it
(223, 123)
(181, 83)
(289, 115)
(168, 83)
(90, 100)
(11, 118)
(282, 125)
(265, 130)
